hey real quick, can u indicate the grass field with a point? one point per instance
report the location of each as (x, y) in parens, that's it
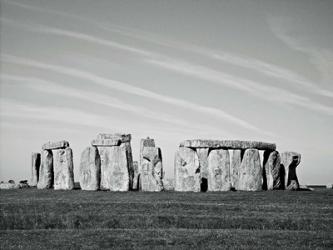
(48, 219)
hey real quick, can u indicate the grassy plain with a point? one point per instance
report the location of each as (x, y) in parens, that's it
(48, 219)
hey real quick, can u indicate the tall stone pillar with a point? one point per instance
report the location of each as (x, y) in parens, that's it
(90, 169)
(250, 176)
(219, 170)
(187, 171)
(63, 169)
(46, 170)
(272, 166)
(35, 165)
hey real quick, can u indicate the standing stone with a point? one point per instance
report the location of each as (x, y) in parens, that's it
(135, 175)
(63, 169)
(235, 166)
(114, 168)
(90, 169)
(45, 179)
(219, 170)
(290, 160)
(148, 142)
(187, 171)
(250, 175)
(272, 165)
(203, 161)
(151, 175)
(35, 165)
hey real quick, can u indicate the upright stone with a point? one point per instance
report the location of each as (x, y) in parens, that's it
(187, 171)
(90, 169)
(148, 142)
(203, 161)
(135, 176)
(35, 165)
(272, 166)
(114, 168)
(45, 179)
(235, 166)
(63, 169)
(151, 176)
(250, 178)
(290, 160)
(219, 170)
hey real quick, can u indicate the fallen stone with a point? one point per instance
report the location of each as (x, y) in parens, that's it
(90, 169)
(7, 185)
(187, 171)
(235, 166)
(151, 175)
(35, 164)
(219, 170)
(168, 185)
(290, 160)
(45, 179)
(23, 182)
(293, 186)
(11, 181)
(272, 167)
(63, 169)
(114, 168)
(55, 145)
(228, 144)
(329, 186)
(135, 176)
(250, 175)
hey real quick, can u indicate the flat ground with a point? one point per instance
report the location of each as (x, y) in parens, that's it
(48, 219)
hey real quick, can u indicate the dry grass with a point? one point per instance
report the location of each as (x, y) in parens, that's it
(38, 219)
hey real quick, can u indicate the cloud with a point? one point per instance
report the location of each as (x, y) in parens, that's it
(127, 88)
(262, 91)
(321, 58)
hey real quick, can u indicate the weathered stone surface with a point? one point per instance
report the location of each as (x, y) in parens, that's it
(235, 166)
(228, 144)
(250, 175)
(135, 175)
(272, 167)
(35, 164)
(105, 142)
(90, 169)
(187, 172)
(117, 136)
(130, 166)
(45, 179)
(114, 168)
(290, 160)
(219, 170)
(148, 142)
(63, 169)
(151, 175)
(203, 161)
(55, 145)
(169, 184)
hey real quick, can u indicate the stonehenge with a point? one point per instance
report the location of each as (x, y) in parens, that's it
(53, 168)
(199, 166)
(207, 165)
(108, 163)
(150, 176)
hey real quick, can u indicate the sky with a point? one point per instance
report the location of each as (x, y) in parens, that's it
(171, 70)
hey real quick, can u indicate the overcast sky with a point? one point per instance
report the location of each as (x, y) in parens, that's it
(171, 70)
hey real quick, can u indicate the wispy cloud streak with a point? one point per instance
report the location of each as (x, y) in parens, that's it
(109, 83)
